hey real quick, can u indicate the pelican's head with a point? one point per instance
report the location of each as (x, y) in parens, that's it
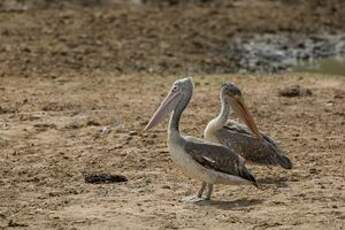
(232, 94)
(184, 86)
(231, 90)
(181, 90)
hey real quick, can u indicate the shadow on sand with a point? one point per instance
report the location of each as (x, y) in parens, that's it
(228, 205)
(278, 181)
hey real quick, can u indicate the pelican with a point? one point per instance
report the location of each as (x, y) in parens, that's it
(250, 143)
(207, 162)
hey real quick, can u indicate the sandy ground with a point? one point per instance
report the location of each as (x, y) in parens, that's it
(51, 135)
(76, 92)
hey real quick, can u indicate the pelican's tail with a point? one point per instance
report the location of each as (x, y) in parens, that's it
(277, 156)
(245, 174)
(284, 162)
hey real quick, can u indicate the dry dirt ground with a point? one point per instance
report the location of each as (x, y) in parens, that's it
(75, 94)
(56, 130)
(149, 38)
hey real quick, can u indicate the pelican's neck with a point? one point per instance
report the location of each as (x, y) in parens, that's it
(222, 117)
(224, 111)
(218, 122)
(175, 117)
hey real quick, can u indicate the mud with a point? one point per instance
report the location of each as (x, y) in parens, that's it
(274, 53)
(104, 178)
(49, 38)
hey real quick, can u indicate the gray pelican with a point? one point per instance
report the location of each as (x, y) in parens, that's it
(250, 143)
(208, 162)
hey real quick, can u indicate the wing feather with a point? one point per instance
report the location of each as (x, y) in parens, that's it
(218, 158)
(240, 139)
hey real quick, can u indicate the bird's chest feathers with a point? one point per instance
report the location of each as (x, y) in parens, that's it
(178, 154)
(210, 134)
(186, 162)
(212, 128)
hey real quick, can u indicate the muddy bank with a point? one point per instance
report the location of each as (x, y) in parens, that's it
(172, 38)
(274, 53)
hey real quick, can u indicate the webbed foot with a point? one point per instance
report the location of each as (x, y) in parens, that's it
(192, 199)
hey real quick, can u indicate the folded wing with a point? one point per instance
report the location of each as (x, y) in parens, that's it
(265, 151)
(218, 158)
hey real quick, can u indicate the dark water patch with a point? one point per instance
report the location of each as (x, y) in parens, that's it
(273, 53)
(335, 66)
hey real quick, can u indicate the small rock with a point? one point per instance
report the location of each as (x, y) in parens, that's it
(45, 126)
(133, 133)
(294, 91)
(338, 96)
(149, 142)
(13, 224)
(313, 170)
(148, 181)
(93, 123)
(105, 130)
(166, 187)
(5, 110)
(73, 125)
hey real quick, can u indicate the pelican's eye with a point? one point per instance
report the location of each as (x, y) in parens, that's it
(174, 89)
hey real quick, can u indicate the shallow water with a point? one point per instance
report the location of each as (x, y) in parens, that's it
(274, 53)
(334, 66)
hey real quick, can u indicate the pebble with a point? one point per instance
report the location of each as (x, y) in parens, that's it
(166, 187)
(294, 91)
(133, 133)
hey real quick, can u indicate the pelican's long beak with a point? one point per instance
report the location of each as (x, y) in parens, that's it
(167, 105)
(245, 115)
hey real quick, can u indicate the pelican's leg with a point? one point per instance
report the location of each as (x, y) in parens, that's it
(201, 191)
(209, 191)
(198, 197)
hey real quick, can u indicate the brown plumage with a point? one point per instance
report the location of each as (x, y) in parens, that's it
(262, 151)
(248, 141)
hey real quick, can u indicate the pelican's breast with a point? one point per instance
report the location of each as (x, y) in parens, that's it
(210, 132)
(194, 170)
(189, 166)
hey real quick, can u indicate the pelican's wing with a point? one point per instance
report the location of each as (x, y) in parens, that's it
(218, 158)
(242, 129)
(238, 128)
(265, 151)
